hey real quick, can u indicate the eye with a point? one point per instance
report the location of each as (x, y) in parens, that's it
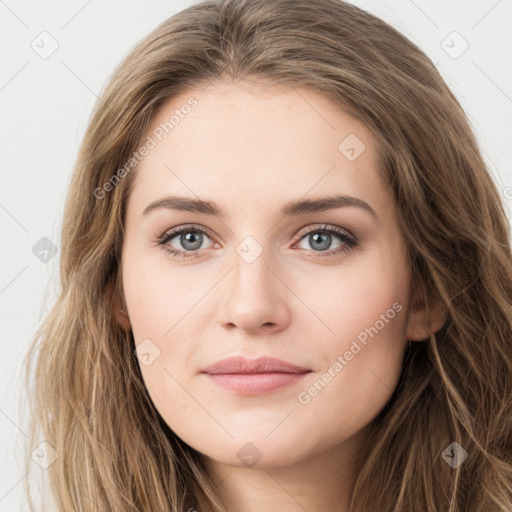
(320, 240)
(190, 238)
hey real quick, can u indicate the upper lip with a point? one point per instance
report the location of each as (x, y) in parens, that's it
(239, 364)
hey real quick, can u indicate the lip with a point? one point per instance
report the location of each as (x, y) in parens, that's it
(242, 365)
(254, 376)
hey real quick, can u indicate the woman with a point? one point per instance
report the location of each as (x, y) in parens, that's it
(286, 279)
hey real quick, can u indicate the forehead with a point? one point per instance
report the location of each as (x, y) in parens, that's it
(245, 142)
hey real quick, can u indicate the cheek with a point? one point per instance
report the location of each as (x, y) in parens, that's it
(362, 350)
(165, 313)
(355, 299)
(363, 357)
(159, 296)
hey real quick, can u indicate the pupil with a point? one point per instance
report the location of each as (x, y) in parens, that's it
(326, 240)
(188, 238)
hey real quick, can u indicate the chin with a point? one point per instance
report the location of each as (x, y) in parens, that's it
(257, 452)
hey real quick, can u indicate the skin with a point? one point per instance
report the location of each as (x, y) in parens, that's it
(251, 149)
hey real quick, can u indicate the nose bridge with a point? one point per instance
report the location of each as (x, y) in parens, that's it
(251, 276)
(255, 297)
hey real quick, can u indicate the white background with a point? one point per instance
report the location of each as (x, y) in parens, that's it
(45, 104)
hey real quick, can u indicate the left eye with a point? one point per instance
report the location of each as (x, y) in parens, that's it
(320, 239)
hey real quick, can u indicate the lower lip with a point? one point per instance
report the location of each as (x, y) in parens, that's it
(254, 383)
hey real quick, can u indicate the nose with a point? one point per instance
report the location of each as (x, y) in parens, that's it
(256, 297)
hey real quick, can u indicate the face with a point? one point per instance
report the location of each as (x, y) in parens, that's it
(267, 268)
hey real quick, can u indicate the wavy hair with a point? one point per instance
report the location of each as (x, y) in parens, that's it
(89, 402)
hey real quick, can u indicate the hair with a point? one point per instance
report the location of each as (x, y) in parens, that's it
(89, 402)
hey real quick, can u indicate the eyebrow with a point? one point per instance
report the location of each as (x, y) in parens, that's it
(292, 208)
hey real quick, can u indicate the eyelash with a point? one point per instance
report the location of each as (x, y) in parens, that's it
(351, 243)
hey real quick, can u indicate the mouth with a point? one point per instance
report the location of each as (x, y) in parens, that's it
(263, 375)
(255, 383)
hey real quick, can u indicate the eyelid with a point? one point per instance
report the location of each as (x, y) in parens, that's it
(325, 227)
(170, 233)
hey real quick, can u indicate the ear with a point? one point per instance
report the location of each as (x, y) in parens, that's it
(118, 308)
(423, 322)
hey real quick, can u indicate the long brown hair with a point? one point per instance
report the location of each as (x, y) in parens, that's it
(90, 405)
